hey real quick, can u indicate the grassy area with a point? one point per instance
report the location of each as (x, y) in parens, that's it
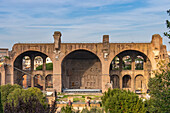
(79, 98)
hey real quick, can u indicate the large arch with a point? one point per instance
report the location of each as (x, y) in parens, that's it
(136, 63)
(81, 69)
(18, 66)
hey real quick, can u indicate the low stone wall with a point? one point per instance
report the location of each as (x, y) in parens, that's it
(77, 106)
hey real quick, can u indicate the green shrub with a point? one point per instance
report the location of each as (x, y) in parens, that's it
(1, 108)
(25, 95)
(118, 101)
(159, 87)
(67, 109)
(92, 110)
(6, 90)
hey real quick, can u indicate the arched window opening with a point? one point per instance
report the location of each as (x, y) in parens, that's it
(38, 81)
(38, 63)
(127, 63)
(114, 79)
(115, 64)
(49, 64)
(49, 81)
(126, 81)
(139, 63)
(140, 82)
(26, 63)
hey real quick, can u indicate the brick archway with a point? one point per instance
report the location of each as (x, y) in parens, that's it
(128, 66)
(19, 70)
(81, 69)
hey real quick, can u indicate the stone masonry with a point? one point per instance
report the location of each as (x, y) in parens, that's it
(86, 65)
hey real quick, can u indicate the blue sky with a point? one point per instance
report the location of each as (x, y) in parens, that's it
(34, 21)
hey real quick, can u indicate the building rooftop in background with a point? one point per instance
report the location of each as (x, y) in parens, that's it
(168, 53)
(3, 52)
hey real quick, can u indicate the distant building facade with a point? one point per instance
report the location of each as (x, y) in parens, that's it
(84, 65)
(169, 54)
(3, 52)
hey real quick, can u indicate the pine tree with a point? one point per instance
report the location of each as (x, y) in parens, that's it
(118, 101)
(1, 108)
(160, 89)
(168, 26)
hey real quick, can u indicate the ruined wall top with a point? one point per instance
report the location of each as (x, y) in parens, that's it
(57, 39)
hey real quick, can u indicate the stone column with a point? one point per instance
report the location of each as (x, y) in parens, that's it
(57, 60)
(133, 64)
(133, 83)
(44, 63)
(57, 82)
(120, 63)
(133, 73)
(120, 69)
(57, 75)
(120, 81)
(43, 82)
(2, 75)
(32, 69)
(10, 71)
(144, 65)
(44, 74)
(105, 76)
(32, 81)
(32, 63)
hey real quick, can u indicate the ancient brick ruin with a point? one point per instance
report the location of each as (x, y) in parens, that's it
(84, 65)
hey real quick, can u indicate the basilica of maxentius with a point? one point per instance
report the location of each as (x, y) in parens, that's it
(86, 67)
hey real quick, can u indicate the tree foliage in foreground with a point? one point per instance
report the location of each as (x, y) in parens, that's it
(25, 95)
(6, 90)
(1, 108)
(31, 105)
(168, 26)
(92, 110)
(67, 109)
(17, 100)
(119, 101)
(160, 89)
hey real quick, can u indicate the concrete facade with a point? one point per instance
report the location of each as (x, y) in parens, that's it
(86, 65)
